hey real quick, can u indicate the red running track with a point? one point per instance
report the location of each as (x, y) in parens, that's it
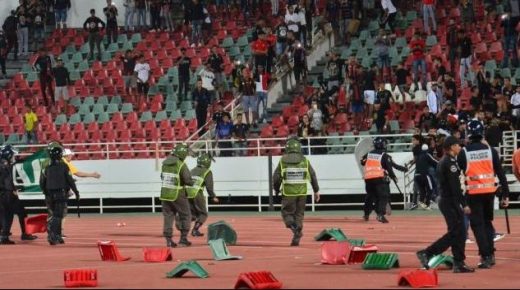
(262, 241)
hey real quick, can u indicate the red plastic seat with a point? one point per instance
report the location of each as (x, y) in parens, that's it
(277, 122)
(282, 131)
(182, 134)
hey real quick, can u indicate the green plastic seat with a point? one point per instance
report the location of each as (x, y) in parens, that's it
(127, 46)
(505, 73)
(170, 106)
(227, 42)
(242, 41)
(431, 40)
(70, 49)
(234, 51)
(127, 108)
(2, 138)
(331, 233)
(13, 139)
(411, 15)
(346, 53)
(74, 75)
(154, 90)
(189, 266)
(175, 115)
(122, 38)
(112, 108)
(77, 57)
(220, 251)
(89, 101)
(381, 261)
(84, 109)
(146, 116)
(103, 118)
(190, 114)
(74, 119)
(136, 37)
(103, 100)
(60, 120)
(32, 77)
(438, 260)
(89, 118)
(83, 67)
(106, 56)
(98, 109)
(161, 115)
(400, 42)
(185, 106)
(356, 242)
(222, 230)
(26, 69)
(116, 100)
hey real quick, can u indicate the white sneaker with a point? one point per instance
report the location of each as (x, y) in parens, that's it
(498, 237)
(468, 241)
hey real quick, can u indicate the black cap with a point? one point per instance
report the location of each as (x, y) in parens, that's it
(450, 141)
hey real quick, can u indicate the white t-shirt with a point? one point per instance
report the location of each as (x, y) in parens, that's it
(515, 99)
(432, 102)
(207, 79)
(387, 4)
(292, 17)
(143, 71)
(259, 86)
(301, 16)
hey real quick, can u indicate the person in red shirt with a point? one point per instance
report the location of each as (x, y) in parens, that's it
(259, 49)
(417, 46)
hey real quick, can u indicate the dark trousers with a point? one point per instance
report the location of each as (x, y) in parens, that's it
(201, 113)
(94, 40)
(424, 187)
(155, 14)
(12, 42)
(19, 210)
(298, 70)
(455, 237)
(2, 64)
(184, 83)
(199, 212)
(481, 218)
(58, 205)
(377, 197)
(7, 209)
(390, 20)
(178, 209)
(46, 84)
(293, 210)
(226, 146)
(260, 60)
(112, 34)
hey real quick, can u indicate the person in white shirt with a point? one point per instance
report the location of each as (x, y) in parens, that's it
(515, 104)
(389, 16)
(208, 80)
(432, 100)
(129, 14)
(303, 25)
(293, 21)
(142, 73)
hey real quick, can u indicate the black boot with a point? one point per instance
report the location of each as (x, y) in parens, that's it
(6, 241)
(195, 232)
(382, 219)
(170, 243)
(297, 235)
(27, 237)
(366, 217)
(183, 242)
(461, 267)
(485, 262)
(424, 258)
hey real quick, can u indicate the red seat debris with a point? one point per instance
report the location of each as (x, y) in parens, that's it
(36, 224)
(157, 254)
(418, 278)
(357, 255)
(80, 278)
(334, 252)
(109, 252)
(258, 280)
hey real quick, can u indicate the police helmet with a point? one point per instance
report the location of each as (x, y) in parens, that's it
(475, 129)
(56, 153)
(379, 143)
(204, 160)
(293, 145)
(181, 151)
(7, 153)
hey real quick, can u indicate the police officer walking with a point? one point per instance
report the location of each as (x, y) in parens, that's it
(480, 164)
(7, 192)
(453, 206)
(175, 176)
(55, 182)
(291, 177)
(422, 178)
(202, 177)
(378, 168)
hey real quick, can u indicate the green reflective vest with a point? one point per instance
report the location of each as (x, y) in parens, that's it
(171, 182)
(294, 178)
(198, 174)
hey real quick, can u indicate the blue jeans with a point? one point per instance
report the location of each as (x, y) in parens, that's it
(129, 18)
(429, 12)
(38, 34)
(262, 99)
(61, 15)
(280, 48)
(244, 6)
(141, 16)
(196, 32)
(417, 65)
(31, 137)
(509, 48)
(383, 61)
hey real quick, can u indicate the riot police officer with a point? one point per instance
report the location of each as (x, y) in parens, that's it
(378, 169)
(55, 182)
(291, 177)
(202, 177)
(175, 176)
(7, 192)
(453, 206)
(481, 164)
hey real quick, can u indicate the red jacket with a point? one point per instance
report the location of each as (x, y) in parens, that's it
(259, 47)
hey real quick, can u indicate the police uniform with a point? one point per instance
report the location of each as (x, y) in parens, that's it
(481, 164)
(7, 194)
(291, 177)
(56, 181)
(378, 167)
(451, 203)
(422, 178)
(175, 176)
(202, 177)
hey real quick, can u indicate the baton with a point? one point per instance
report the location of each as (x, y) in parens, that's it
(77, 207)
(507, 221)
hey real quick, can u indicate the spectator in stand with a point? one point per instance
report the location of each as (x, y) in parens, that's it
(10, 28)
(275, 7)
(240, 131)
(432, 99)
(244, 7)
(316, 117)
(129, 14)
(184, 64)
(31, 123)
(61, 7)
(128, 71)
(39, 19)
(476, 99)
(515, 106)
(347, 15)
(223, 6)
(401, 75)
(332, 10)
(382, 104)
(196, 17)
(467, 13)
(155, 15)
(334, 67)
(92, 26)
(510, 39)
(216, 63)
(43, 65)
(3, 54)
(466, 53)
(390, 12)
(429, 13)
(382, 47)
(281, 37)
(206, 26)
(166, 15)
(369, 90)
(201, 102)
(236, 76)
(142, 74)
(262, 80)
(62, 80)
(427, 120)
(111, 28)
(224, 133)
(140, 8)
(208, 80)
(453, 43)
(300, 63)
(259, 49)
(305, 131)
(270, 38)
(300, 10)
(354, 78)
(292, 19)
(450, 88)
(23, 31)
(249, 99)
(417, 45)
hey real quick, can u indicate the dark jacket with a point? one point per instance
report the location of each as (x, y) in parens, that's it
(6, 178)
(424, 162)
(387, 163)
(57, 177)
(448, 177)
